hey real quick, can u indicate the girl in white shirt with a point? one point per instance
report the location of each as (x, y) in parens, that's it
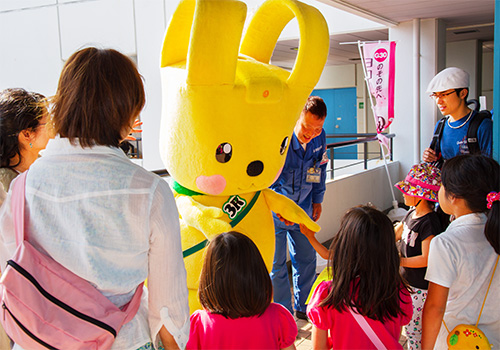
(462, 259)
(92, 210)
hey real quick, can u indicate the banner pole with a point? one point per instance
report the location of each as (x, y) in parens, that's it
(384, 156)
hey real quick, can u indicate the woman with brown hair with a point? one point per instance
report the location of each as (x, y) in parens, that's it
(102, 217)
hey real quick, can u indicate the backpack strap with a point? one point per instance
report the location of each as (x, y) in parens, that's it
(475, 103)
(438, 134)
(436, 141)
(472, 140)
(18, 192)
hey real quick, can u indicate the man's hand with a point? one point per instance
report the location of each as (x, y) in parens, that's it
(282, 219)
(316, 211)
(429, 155)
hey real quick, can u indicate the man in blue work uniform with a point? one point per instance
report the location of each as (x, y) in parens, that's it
(303, 181)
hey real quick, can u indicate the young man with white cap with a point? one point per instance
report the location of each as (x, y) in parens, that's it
(450, 88)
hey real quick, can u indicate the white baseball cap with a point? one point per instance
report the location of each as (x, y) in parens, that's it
(449, 78)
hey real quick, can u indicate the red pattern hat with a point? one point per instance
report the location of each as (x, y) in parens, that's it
(423, 181)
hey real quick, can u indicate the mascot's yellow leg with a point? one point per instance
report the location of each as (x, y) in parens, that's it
(192, 238)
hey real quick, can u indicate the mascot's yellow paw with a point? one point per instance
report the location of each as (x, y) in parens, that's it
(466, 336)
(211, 225)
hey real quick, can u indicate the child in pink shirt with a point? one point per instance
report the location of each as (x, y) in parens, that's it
(367, 287)
(236, 292)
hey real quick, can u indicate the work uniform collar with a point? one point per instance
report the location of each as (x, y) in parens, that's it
(296, 143)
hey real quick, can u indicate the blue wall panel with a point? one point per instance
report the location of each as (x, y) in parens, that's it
(341, 117)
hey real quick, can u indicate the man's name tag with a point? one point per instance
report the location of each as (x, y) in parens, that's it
(313, 175)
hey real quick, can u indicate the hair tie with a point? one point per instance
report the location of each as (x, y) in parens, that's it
(491, 197)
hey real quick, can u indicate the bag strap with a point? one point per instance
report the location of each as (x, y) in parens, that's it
(487, 290)
(131, 308)
(436, 142)
(368, 330)
(474, 102)
(18, 199)
(472, 139)
(436, 138)
(18, 192)
(484, 301)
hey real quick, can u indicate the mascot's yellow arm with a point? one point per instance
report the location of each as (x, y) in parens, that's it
(204, 219)
(288, 209)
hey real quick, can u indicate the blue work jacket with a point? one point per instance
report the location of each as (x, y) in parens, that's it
(292, 181)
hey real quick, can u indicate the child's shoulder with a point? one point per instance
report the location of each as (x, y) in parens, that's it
(275, 309)
(320, 292)
(428, 223)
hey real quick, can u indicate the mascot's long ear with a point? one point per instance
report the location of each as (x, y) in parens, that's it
(207, 34)
(176, 41)
(268, 23)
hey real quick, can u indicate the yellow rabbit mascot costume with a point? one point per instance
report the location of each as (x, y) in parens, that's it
(228, 116)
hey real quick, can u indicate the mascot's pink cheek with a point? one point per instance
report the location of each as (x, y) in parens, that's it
(213, 185)
(278, 174)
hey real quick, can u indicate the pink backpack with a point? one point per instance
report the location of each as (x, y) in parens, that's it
(46, 306)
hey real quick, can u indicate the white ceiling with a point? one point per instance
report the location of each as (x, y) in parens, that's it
(464, 20)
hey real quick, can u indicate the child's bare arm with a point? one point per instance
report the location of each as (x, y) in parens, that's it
(319, 339)
(433, 313)
(167, 339)
(419, 260)
(291, 347)
(320, 248)
(398, 231)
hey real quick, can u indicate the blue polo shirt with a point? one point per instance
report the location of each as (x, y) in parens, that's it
(454, 141)
(292, 181)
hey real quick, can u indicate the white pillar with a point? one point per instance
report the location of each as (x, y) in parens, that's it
(432, 44)
(471, 62)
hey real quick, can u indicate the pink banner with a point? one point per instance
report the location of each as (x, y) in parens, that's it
(379, 63)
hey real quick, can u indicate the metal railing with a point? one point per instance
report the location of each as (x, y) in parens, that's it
(357, 139)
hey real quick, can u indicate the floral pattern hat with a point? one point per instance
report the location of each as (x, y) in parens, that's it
(423, 181)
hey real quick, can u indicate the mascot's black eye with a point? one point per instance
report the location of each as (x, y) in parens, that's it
(284, 143)
(224, 152)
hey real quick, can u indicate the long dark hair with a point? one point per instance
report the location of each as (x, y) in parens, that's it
(472, 177)
(365, 266)
(19, 110)
(234, 279)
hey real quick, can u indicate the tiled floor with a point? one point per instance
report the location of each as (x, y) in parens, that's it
(304, 341)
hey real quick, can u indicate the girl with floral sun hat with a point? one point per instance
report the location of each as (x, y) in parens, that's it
(421, 223)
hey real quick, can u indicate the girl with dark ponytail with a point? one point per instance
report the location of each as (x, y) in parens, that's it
(462, 260)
